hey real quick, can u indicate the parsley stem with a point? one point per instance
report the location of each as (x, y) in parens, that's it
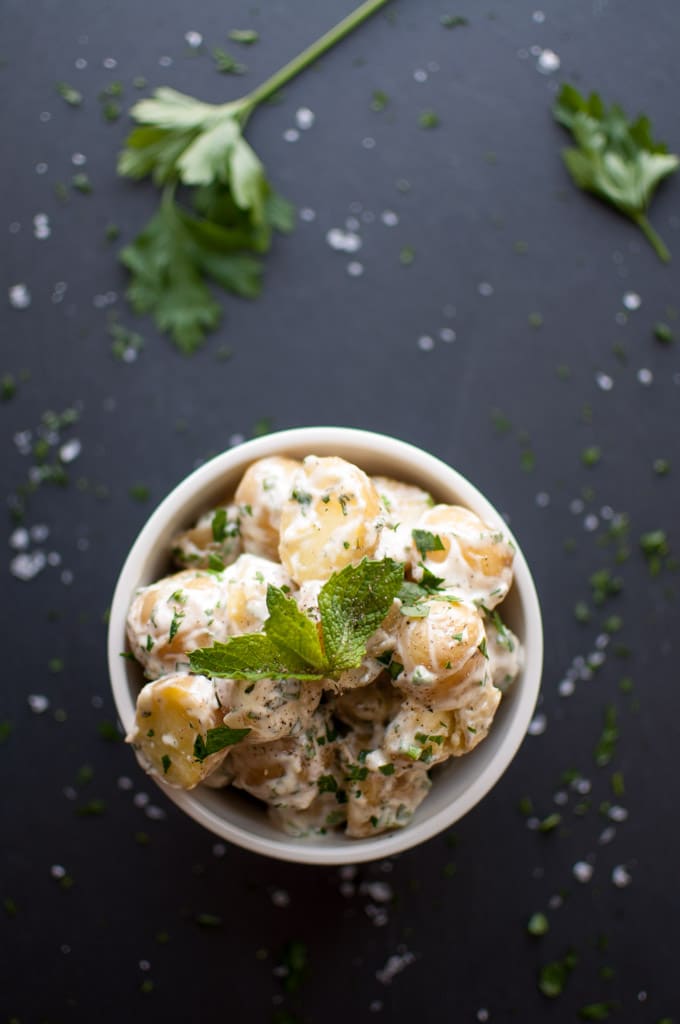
(654, 240)
(309, 55)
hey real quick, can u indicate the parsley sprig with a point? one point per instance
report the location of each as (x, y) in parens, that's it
(352, 605)
(615, 158)
(181, 141)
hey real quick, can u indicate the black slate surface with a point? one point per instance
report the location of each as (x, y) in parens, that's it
(101, 910)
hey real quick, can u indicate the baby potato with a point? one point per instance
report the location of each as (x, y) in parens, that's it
(367, 708)
(171, 713)
(245, 592)
(401, 507)
(505, 653)
(288, 772)
(472, 720)
(418, 734)
(329, 521)
(439, 653)
(175, 616)
(264, 488)
(216, 535)
(270, 708)
(474, 556)
(377, 802)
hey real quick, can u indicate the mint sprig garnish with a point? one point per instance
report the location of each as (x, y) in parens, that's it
(352, 604)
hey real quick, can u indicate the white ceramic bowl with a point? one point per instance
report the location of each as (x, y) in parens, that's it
(457, 785)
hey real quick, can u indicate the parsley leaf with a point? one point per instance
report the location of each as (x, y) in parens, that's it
(169, 262)
(614, 158)
(183, 141)
(217, 739)
(426, 541)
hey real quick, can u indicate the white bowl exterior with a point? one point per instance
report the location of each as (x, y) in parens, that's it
(461, 782)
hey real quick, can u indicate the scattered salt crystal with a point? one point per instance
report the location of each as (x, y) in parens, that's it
(642, 996)
(27, 565)
(482, 1014)
(645, 376)
(367, 216)
(58, 871)
(432, 66)
(67, 577)
(348, 872)
(368, 142)
(538, 725)
(375, 1006)
(582, 871)
(236, 439)
(547, 62)
(19, 296)
(617, 813)
(125, 783)
(561, 797)
(582, 786)
(449, 310)
(347, 889)
(576, 506)
(378, 915)
(19, 539)
(389, 218)
(70, 451)
(425, 343)
(40, 532)
(555, 902)
(291, 135)
(420, 75)
(144, 965)
(41, 226)
(632, 300)
(155, 813)
(621, 877)
(542, 499)
(140, 799)
(304, 118)
(280, 898)
(15, 227)
(394, 965)
(381, 892)
(604, 381)
(219, 849)
(80, 64)
(78, 159)
(165, 62)
(65, 949)
(45, 116)
(538, 17)
(566, 688)
(447, 334)
(193, 39)
(485, 289)
(69, 792)
(110, 63)
(533, 824)
(355, 269)
(96, 701)
(607, 835)
(591, 523)
(307, 214)
(352, 224)
(38, 703)
(343, 241)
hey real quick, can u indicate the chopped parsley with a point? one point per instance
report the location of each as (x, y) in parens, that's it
(426, 541)
(217, 739)
(166, 762)
(219, 525)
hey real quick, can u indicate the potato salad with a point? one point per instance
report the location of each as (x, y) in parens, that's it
(327, 641)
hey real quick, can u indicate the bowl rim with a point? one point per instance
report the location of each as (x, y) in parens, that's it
(387, 844)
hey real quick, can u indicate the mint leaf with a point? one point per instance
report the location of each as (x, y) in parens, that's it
(290, 630)
(353, 604)
(217, 739)
(614, 158)
(252, 656)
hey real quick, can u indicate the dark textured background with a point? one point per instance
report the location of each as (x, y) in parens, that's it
(322, 347)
